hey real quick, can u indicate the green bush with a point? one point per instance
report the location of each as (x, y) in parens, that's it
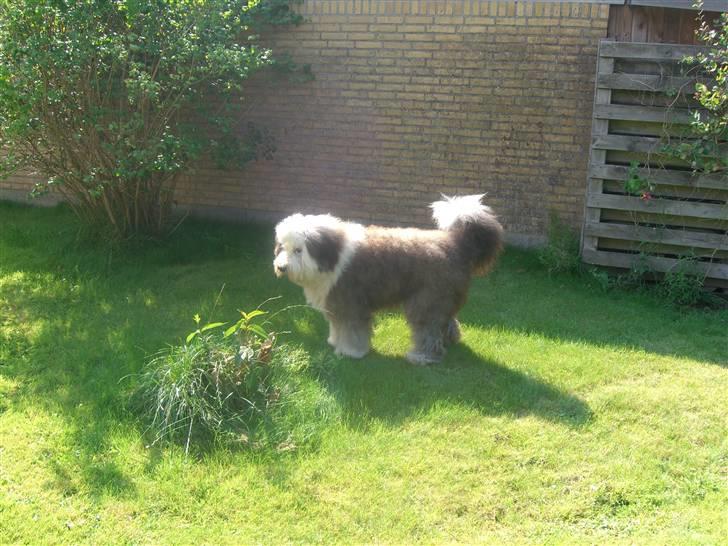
(112, 100)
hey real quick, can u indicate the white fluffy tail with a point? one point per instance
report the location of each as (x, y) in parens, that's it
(477, 231)
(455, 210)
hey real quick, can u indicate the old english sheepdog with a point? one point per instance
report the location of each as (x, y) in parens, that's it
(348, 271)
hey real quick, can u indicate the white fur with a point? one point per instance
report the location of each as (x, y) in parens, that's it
(300, 267)
(451, 210)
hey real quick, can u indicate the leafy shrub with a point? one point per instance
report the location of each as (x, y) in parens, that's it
(561, 252)
(232, 387)
(704, 149)
(112, 100)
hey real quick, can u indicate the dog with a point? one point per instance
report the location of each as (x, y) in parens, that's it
(348, 271)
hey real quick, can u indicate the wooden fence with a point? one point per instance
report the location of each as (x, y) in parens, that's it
(632, 23)
(643, 99)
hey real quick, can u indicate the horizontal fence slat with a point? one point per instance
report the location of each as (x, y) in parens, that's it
(654, 160)
(647, 51)
(658, 206)
(666, 191)
(626, 216)
(656, 263)
(662, 249)
(625, 143)
(642, 113)
(662, 176)
(635, 143)
(645, 234)
(645, 82)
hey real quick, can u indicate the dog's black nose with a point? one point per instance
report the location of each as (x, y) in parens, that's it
(282, 268)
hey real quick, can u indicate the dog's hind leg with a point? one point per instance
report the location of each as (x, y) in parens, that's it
(429, 343)
(428, 334)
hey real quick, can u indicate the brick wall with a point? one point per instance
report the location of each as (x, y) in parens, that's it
(413, 98)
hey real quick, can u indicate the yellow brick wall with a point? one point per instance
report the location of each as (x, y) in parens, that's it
(413, 98)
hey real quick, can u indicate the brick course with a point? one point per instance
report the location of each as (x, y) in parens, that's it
(413, 98)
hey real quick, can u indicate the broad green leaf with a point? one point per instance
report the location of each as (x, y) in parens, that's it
(212, 325)
(256, 328)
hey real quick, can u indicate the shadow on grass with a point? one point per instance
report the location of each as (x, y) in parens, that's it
(388, 390)
(520, 296)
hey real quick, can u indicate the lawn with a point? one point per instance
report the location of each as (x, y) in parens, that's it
(567, 414)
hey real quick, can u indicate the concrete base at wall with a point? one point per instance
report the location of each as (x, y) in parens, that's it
(21, 196)
(238, 215)
(230, 214)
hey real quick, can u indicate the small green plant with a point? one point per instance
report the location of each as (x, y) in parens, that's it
(636, 184)
(561, 252)
(601, 277)
(682, 285)
(634, 279)
(639, 273)
(232, 386)
(200, 330)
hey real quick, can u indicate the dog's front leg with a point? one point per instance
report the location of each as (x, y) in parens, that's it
(333, 336)
(353, 338)
(452, 332)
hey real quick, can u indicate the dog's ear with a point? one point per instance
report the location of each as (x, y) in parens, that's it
(324, 245)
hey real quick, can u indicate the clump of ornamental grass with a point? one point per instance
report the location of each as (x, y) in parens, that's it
(231, 386)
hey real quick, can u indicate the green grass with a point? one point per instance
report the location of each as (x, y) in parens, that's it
(567, 415)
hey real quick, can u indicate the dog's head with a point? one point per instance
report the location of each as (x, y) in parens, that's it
(308, 247)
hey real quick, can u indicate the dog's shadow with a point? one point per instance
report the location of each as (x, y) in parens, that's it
(384, 389)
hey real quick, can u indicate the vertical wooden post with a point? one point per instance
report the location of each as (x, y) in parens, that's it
(600, 127)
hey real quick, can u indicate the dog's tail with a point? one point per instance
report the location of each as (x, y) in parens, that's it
(476, 229)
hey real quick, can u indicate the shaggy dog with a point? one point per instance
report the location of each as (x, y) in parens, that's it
(348, 271)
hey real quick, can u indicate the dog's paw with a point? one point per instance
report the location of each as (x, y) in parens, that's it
(422, 359)
(353, 353)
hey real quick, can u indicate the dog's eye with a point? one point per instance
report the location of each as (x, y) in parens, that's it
(297, 250)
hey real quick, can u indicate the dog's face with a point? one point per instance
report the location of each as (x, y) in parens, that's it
(307, 248)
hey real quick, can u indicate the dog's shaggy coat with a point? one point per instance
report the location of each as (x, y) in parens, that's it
(349, 271)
